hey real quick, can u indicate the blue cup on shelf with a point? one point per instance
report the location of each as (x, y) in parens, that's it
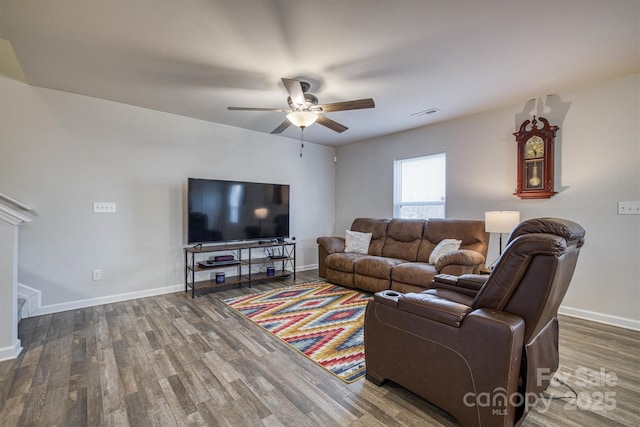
(220, 277)
(271, 271)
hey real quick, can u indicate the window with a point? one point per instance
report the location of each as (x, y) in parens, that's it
(420, 187)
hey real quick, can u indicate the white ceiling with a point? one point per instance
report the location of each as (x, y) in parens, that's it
(196, 57)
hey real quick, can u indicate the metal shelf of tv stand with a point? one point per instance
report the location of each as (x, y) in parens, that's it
(191, 267)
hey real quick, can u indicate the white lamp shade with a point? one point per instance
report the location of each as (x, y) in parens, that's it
(302, 119)
(501, 221)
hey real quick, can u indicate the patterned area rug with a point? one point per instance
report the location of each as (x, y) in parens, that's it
(324, 322)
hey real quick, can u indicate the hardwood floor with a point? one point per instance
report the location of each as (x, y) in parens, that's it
(172, 360)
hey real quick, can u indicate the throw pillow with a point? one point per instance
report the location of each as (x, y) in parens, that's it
(357, 242)
(444, 247)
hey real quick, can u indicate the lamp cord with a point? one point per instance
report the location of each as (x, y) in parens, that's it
(490, 266)
(573, 395)
(301, 139)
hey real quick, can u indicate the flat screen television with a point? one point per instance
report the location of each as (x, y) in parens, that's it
(224, 211)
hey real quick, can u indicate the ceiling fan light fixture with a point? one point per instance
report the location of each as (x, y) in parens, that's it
(302, 119)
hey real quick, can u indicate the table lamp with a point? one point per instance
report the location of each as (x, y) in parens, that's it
(501, 222)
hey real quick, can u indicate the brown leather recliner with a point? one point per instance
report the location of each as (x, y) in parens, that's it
(482, 348)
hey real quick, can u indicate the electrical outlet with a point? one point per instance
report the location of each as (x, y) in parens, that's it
(96, 274)
(628, 208)
(104, 207)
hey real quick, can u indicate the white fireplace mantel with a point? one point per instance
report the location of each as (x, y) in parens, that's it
(12, 214)
(15, 212)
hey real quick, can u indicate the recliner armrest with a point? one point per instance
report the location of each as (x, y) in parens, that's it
(447, 279)
(467, 284)
(433, 307)
(332, 244)
(472, 281)
(387, 297)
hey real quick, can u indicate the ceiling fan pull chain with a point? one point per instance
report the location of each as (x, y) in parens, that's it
(301, 140)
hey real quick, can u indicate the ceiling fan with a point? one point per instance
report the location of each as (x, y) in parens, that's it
(304, 110)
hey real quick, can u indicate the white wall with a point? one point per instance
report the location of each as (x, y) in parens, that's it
(597, 165)
(60, 152)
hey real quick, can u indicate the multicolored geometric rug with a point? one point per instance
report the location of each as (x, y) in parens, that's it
(324, 322)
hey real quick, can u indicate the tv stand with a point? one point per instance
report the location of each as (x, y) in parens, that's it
(281, 255)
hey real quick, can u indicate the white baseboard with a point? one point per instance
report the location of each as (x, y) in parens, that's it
(38, 310)
(307, 267)
(10, 352)
(92, 302)
(607, 319)
(35, 308)
(33, 297)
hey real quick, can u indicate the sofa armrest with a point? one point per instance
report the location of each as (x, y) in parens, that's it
(463, 257)
(326, 247)
(332, 244)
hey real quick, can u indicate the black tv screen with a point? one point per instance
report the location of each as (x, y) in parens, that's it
(223, 211)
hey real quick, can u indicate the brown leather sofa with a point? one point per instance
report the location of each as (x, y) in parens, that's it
(482, 348)
(398, 256)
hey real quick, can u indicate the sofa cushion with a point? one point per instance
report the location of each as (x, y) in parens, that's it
(378, 230)
(379, 267)
(343, 261)
(369, 284)
(403, 238)
(341, 277)
(413, 273)
(357, 242)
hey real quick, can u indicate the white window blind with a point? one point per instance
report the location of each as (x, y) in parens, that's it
(420, 187)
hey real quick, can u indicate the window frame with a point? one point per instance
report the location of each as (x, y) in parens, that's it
(397, 185)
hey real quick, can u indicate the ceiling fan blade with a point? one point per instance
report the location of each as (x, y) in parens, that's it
(294, 88)
(282, 127)
(258, 109)
(357, 104)
(333, 125)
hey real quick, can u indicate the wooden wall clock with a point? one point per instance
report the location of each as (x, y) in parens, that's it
(535, 159)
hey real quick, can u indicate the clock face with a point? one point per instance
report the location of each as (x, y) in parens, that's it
(534, 148)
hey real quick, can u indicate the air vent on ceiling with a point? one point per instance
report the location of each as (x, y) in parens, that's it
(425, 112)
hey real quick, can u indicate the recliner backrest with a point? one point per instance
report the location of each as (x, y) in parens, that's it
(533, 274)
(571, 231)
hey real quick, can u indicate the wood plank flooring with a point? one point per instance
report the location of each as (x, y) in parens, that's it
(175, 361)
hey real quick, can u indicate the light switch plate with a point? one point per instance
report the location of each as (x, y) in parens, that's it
(628, 208)
(104, 207)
